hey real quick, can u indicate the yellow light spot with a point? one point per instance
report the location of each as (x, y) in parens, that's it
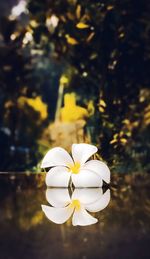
(123, 140)
(71, 40)
(113, 141)
(64, 80)
(91, 108)
(74, 168)
(90, 37)
(78, 11)
(34, 23)
(36, 103)
(76, 204)
(72, 112)
(110, 7)
(82, 25)
(102, 103)
(121, 35)
(101, 109)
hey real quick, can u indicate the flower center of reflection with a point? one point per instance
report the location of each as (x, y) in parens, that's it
(74, 168)
(76, 205)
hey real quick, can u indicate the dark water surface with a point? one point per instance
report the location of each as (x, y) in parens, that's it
(123, 230)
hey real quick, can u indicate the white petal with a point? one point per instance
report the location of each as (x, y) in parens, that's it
(86, 179)
(57, 215)
(82, 152)
(83, 218)
(58, 177)
(87, 196)
(58, 198)
(56, 156)
(99, 204)
(100, 168)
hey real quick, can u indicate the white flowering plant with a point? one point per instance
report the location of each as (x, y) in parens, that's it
(77, 169)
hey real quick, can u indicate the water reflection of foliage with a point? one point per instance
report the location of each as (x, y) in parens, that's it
(129, 205)
(123, 227)
(23, 209)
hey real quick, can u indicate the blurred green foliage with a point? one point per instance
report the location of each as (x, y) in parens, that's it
(103, 48)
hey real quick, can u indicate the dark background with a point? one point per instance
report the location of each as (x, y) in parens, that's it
(102, 48)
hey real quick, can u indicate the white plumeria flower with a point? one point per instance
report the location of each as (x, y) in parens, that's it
(81, 201)
(81, 172)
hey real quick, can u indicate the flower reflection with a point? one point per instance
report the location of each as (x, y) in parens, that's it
(81, 201)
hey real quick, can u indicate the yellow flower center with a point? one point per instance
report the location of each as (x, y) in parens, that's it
(76, 205)
(74, 168)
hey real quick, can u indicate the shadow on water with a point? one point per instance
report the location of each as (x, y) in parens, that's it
(122, 230)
